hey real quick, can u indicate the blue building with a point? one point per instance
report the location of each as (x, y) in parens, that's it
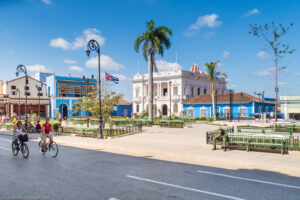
(240, 104)
(64, 92)
(124, 109)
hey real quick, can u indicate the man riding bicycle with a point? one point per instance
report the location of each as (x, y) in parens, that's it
(46, 133)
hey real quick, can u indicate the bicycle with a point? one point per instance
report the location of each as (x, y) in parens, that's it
(17, 145)
(50, 146)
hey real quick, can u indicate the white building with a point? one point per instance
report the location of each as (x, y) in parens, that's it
(183, 85)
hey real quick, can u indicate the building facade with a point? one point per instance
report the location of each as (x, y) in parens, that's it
(170, 89)
(238, 104)
(13, 98)
(290, 106)
(124, 109)
(42, 76)
(64, 92)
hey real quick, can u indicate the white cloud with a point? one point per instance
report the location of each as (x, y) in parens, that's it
(107, 63)
(37, 68)
(266, 72)
(47, 1)
(252, 12)
(68, 61)
(75, 68)
(163, 65)
(231, 86)
(60, 43)
(225, 54)
(210, 21)
(282, 83)
(121, 77)
(80, 41)
(262, 55)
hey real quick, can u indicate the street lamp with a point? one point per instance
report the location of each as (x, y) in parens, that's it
(93, 45)
(87, 82)
(39, 89)
(22, 69)
(18, 91)
(170, 82)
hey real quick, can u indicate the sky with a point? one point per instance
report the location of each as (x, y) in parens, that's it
(51, 36)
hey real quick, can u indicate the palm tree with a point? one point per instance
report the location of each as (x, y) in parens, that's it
(212, 74)
(155, 39)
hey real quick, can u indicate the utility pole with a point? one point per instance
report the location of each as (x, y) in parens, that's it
(259, 94)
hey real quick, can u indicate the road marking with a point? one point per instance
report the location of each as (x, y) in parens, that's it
(249, 179)
(112, 198)
(184, 188)
(5, 140)
(5, 149)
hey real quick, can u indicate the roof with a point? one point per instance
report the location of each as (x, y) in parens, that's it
(24, 77)
(124, 102)
(224, 98)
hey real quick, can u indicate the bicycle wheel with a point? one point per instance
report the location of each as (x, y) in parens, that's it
(24, 150)
(53, 149)
(14, 148)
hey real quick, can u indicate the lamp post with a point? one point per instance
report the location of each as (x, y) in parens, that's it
(230, 104)
(39, 89)
(87, 90)
(241, 94)
(22, 69)
(170, 82)
(259, 94)
(93, 45)
(18, 91)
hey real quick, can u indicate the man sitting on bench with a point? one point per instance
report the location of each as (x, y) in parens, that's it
(220, 137)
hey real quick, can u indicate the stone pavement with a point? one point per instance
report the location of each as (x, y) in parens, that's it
(185, 145)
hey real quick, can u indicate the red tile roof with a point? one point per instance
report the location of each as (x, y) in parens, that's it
(224, 98)
(124, 102)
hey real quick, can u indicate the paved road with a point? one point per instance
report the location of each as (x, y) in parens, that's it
(86, 174)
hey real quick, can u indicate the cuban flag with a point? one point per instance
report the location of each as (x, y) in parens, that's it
(111, 78)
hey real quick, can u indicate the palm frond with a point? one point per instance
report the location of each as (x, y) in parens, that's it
(138, 42)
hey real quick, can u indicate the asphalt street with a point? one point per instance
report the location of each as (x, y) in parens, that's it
(87, 174)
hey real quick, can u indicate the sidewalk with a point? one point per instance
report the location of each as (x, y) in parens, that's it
(186, 145)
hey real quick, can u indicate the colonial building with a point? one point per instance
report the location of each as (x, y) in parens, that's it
(290, 107)
(65, 91)
(238, 104)
(171, 88)
(13, 99)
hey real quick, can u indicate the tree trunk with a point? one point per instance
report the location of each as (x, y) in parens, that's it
(150, 85)
(213, 98)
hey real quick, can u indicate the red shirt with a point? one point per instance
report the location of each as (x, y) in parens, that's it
(47, 128)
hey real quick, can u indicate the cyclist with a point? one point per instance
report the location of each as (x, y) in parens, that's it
(19, 133)
(46, 133)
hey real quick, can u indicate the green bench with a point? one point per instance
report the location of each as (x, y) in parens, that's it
(253, 140)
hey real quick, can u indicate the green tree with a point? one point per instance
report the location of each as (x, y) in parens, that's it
(155, 40)
(272, 34)
(90, 103)
(212, 75)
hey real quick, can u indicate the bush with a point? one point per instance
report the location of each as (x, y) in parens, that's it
(210, 119)
(200, 118)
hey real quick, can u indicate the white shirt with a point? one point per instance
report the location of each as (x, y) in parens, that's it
(19, 131)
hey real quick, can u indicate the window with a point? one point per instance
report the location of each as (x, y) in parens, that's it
(137, 92)
(216, 91)
(165, 92)
(204, 91)
(192, 91)
(175, 108)
(226, 112)
(199, 91)
(175, 91)
(203, 112)
(243, 112)
(13, 92)
(28, 93)
(138, 108)
(13, 87)
(49, 91)
(26, 87)
(40, 94)
(190, 112)
(266, 109)
(184, 90)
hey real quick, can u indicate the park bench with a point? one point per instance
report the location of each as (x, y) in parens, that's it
(254, 140)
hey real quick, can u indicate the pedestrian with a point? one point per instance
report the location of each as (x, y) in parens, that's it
(38, 127)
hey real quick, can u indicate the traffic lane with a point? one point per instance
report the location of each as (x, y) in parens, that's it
(174, 173)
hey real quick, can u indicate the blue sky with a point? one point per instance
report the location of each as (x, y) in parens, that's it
(51, 35)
